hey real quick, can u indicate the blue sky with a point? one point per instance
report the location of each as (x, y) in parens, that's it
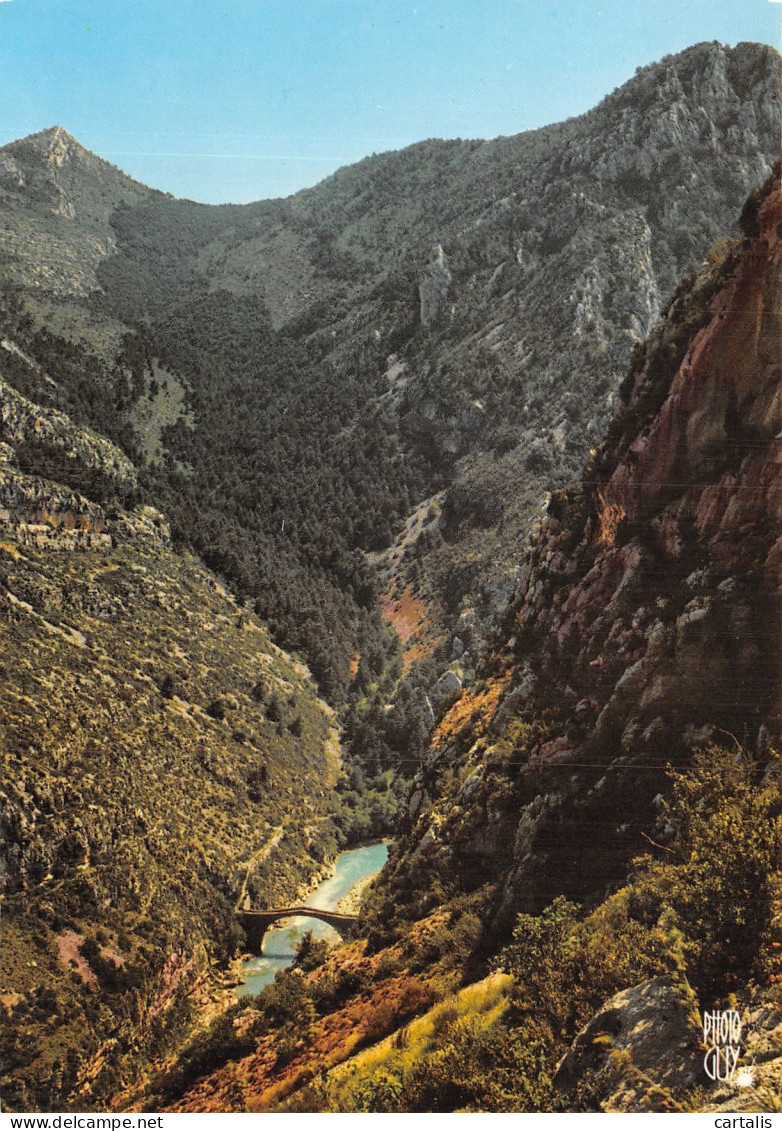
(241, 99)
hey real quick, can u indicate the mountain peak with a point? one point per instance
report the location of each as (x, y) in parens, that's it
(53, 133)
(54, 144)
(50, 173)
(56, 148)
(709, 72)
(60, 146)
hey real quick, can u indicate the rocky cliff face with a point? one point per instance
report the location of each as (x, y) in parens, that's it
(690, 516)
(22, 421)
(36, 510)
(647, 618)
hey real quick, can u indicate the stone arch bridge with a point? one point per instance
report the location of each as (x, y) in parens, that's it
(256, 923)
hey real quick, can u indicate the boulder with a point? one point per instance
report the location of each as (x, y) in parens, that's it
(447, 688)
(641, 1050)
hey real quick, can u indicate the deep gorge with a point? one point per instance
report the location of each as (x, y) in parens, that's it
(438, 501)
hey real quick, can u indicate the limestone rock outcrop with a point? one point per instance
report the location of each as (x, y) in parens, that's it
(640, 1050)
(434, 288)
(23, 421)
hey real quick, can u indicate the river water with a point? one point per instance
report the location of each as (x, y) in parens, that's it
(279, 945)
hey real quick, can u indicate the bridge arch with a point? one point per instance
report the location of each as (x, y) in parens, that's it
(256, 923)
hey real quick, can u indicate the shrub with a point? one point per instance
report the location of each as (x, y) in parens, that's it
(721, 878)
(708, 909)
(310, 952)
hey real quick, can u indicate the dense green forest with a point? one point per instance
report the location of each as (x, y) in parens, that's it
(278, 496)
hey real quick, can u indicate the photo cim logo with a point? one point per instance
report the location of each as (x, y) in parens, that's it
(722, 1036)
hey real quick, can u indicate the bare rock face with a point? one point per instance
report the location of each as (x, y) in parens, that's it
(651, 1032)
(36, 511)
(675, 578)
(446, 689)
(47, 516)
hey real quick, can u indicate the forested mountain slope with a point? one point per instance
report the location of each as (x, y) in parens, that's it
(161, 758)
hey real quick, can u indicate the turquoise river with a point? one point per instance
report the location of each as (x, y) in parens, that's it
(279, 945)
